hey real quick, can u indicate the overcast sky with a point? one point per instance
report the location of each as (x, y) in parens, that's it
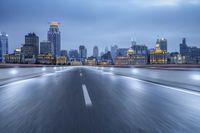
(103, 22)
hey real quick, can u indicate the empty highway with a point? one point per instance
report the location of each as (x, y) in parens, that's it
(91, 100)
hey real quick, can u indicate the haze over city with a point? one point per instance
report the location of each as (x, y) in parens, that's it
(103, 23)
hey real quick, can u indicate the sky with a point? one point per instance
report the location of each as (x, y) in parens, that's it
(103, 22)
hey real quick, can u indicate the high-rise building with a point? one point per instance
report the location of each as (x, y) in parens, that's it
(45, 47)
(163, 44)
(3, 45)
(33, 39)
(114, 51)
(82, 52)
(55, 37)
(73, 54)
(95, 52)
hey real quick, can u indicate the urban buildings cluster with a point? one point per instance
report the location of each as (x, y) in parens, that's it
(49, 52)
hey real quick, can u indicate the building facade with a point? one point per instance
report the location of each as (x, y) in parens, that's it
(45, 47)
(95, 52)
(158, 56)
(14, 57)
(54, 36)
(140, 54)
(191, 54)
(82, 52)
(33, 39)
(73, 54)
(3, 45)
(114, 51)
(163, 44)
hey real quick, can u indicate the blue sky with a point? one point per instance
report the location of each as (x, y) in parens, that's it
(103, 22)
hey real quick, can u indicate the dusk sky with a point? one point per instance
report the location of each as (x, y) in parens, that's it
(103, 22)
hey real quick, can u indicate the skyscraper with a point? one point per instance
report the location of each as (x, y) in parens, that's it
(33, 39)
(163, 44)
(45, 47)
(95, 51)
(55, 38)
(3, 45)
(82, 52)
(114, 51)
(73, 54)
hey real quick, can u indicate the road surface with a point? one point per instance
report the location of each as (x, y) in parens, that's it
(88, 100)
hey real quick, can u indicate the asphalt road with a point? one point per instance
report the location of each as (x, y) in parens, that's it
(88, 100)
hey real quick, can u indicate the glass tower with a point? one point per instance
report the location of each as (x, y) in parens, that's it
(3, 45)
(54, 38)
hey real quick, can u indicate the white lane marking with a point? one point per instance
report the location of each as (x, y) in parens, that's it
(168, 87)
(81, 74)
(88, 101)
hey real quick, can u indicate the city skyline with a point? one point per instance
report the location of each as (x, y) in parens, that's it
(103, 23)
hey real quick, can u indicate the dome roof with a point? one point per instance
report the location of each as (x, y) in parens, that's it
(130, 51)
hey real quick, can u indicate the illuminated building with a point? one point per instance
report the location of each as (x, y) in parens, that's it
(92, 61)
(13, 58)
(55, 38)
(75, 62)
(129, 59)
(140, 54)
(46, 58)
(61, 60)
(104, 62)
(158, 56)
(3, 45)
(132, 58)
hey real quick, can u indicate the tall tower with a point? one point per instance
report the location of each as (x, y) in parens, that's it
(82, 52)
(95, 51)
(33, 39)
(54, 38)
(3, 45)
(163, 44)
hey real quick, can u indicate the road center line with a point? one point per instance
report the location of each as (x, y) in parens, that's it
(88, 101)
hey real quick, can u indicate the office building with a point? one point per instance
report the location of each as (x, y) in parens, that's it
(95, 52)
(45, 47)
(54, 36)
(163, 44)
(33, 40)
(82, 52)
(114, 51)
(3, 45)
(191, 54)
(73, 54)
